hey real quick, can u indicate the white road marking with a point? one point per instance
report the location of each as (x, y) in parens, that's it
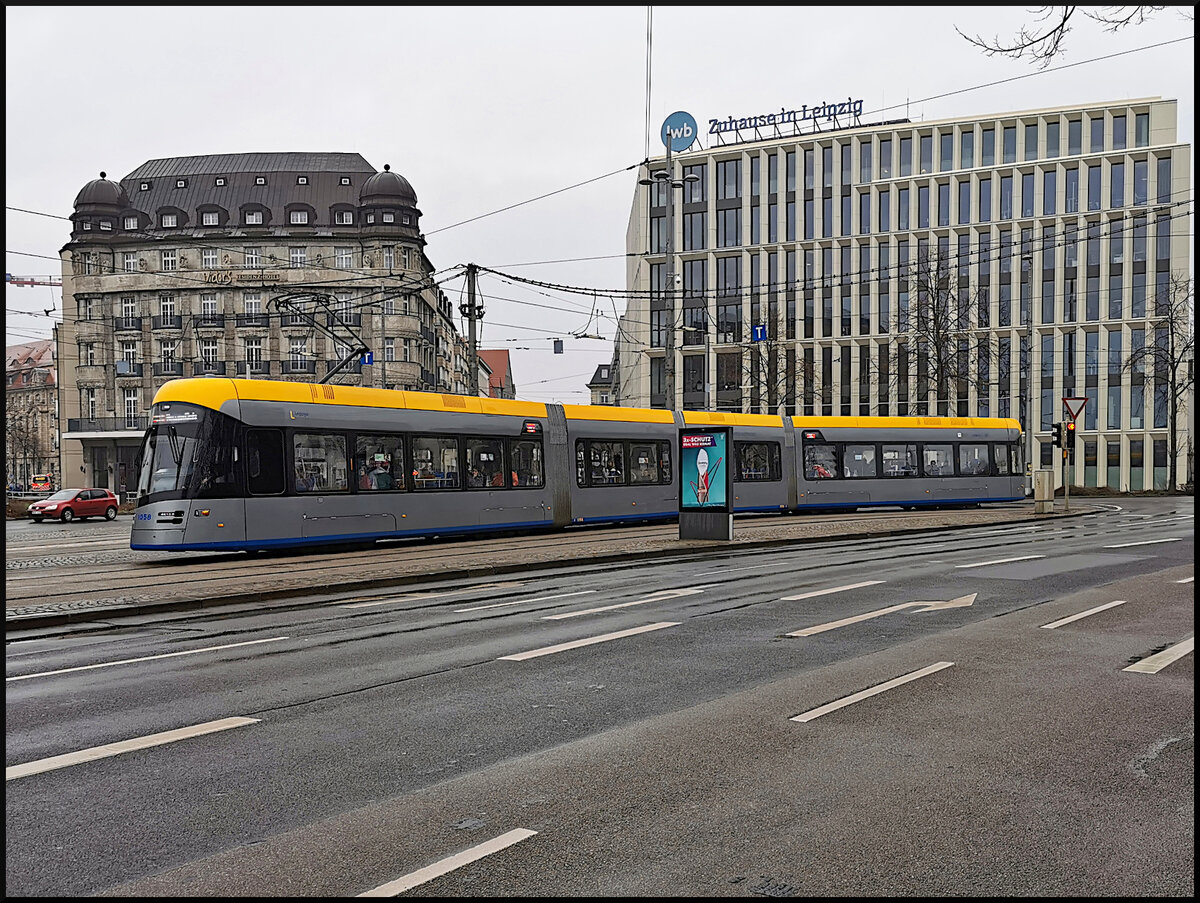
(412, 597)
(833, 625)
(449, 864)
(145, 658)
(583, 592)
(873, 691)
(660, 596)
(832, 589)
(575, 644)
(124, 746)
(1083, 614)
(980, 564)
(1186, 579)
(1144, 542)
(960, 602)
(1155, 663)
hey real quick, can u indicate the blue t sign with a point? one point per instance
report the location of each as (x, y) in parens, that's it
(758, 332)
(369, 357)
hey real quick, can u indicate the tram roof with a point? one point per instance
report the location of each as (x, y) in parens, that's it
(213, 392)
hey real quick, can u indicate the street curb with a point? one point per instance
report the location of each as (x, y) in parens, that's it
(37, 621)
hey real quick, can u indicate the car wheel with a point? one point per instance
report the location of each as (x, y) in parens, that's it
(67, 515)
(37, 520)
(110, 513)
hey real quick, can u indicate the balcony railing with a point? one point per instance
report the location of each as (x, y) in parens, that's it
(253, 368)
(297, 366)
(106, 424)
(168, 368)
(355, 366)
(127, 323)
(349, 319)
(129, 368)
(209, 321)
(167, 321)
(244, 320)
(294, 320)
(209, 368)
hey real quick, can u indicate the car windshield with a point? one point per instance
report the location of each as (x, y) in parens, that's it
(63, 495)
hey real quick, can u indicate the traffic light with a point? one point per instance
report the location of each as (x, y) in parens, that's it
(1058, 435)
(1069, 438)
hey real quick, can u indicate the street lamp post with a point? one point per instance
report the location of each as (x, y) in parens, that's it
(1027, 297)
(667, 177)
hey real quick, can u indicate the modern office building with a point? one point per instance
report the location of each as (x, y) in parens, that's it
(263, 266)
(824, 266)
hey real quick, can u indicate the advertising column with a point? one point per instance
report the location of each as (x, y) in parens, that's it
(705, 484)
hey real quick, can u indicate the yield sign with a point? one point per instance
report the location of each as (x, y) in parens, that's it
(1074, 407)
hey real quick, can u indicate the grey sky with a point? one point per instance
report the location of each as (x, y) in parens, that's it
(481, 108)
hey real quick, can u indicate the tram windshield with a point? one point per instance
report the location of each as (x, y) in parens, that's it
(187, 452)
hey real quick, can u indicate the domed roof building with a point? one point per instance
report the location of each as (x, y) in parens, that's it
(273, 265)
(387, 186)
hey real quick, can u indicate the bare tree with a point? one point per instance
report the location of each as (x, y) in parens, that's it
(934, 323)
(23, 443)
(1169, 358)
(1042, 42)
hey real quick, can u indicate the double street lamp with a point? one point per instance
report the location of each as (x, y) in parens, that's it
(666, 178)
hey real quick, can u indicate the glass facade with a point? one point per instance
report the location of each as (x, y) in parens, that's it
(994, 218)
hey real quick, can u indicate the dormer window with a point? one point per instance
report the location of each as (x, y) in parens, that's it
(131, 223)
(219, 181)
(389, 217)
(208, 218)
(301, 180)
(254, 218)
(144, 186)
(299, 217)
(344, 180)
(169, 220)
(260, 180)
(87, 227)
(181, 183)
(406, 219)
(370, 217)
(344, 218)
(105, 225)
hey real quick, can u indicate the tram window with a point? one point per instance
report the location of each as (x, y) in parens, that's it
(973, 459)
(528, 469)
(607, 463)
(264, 462)
(379, 462)
(860, 461)
(900, 460)
(938, 460)
(1017, 450)
(821, 462)
(580, 463)
(643, 462)
(1000, 456)
(320, 462)
(756, 462)
(485, 464)
(435, 462)
(664, 461)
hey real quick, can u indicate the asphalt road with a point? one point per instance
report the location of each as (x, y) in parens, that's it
(931, 714)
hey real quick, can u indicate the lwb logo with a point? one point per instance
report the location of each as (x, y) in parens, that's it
(679, 131)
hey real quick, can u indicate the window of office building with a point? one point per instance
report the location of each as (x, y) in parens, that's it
(906, 156)
(1010, 144)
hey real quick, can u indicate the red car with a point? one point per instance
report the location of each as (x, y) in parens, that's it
(69, 504)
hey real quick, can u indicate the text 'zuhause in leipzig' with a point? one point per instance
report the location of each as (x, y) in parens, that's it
(826, 110)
